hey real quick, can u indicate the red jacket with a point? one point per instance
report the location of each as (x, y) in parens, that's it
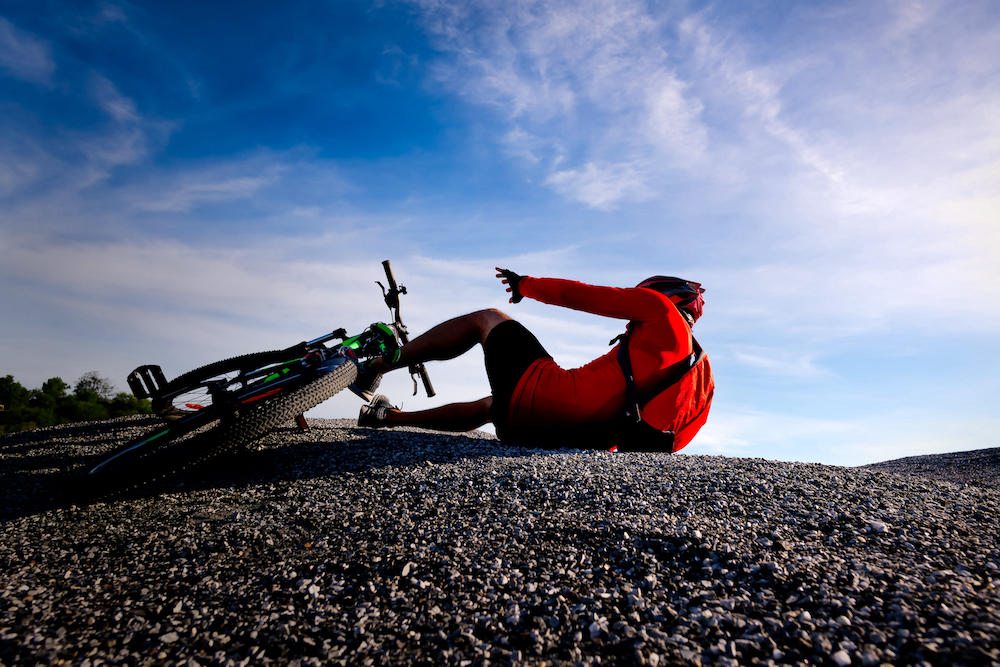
(548, 395)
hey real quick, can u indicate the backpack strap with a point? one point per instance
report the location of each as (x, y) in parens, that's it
(631, 401)
(674, 374)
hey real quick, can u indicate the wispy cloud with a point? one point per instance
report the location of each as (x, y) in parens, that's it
(234, 179)
(106, 95)
(868, 125)
(595, 74)
(128, 137)
(25, 56)
(779, 362)
(601, 186)
(68, 160)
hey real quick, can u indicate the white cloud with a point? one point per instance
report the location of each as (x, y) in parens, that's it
(870, 141)
(611, 108)
(587, 86)
(524, 145)
(107, 96)
(781, 362)
(24, 55)
(128, 138)
(601, 186)
(829, 298)
(728, 81)
(184, 191)
(22, 162)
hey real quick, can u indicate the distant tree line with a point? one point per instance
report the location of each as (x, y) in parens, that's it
(93, 398)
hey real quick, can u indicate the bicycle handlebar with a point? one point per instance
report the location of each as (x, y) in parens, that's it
(392, 300)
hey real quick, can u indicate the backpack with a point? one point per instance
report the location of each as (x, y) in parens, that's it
(633, 433)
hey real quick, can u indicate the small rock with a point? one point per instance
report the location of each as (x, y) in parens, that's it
(841, 658)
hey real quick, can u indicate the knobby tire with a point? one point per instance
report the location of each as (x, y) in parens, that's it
(224, 437)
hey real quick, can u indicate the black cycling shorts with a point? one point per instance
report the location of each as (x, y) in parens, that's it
(510, 349)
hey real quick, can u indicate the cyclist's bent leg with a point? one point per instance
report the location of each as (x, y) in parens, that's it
(446, 340)
(452, 417)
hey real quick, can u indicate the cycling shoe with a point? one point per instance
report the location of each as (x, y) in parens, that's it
(373, 414)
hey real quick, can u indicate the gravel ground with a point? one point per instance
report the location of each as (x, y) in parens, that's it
(981, 467)
(356, 547)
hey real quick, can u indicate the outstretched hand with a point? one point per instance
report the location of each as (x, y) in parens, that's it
(510, 279)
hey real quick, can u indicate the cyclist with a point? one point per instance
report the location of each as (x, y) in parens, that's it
(533, 398)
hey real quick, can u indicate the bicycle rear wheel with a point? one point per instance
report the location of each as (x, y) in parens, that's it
(162, 455)
(191, 392)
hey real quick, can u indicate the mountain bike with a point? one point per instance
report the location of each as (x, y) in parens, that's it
(224, 406)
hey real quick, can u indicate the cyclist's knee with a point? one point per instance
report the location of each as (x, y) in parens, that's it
(487, 319)
(492, 314)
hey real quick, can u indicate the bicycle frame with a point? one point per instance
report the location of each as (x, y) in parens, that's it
(243, 383)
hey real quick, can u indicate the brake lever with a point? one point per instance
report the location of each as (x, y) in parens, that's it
(391, 297)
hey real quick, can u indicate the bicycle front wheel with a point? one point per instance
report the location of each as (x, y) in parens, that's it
(158, 454)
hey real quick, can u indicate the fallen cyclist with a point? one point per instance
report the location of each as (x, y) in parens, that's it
(652, 392)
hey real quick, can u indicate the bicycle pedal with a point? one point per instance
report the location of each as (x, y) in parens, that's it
(147, 382)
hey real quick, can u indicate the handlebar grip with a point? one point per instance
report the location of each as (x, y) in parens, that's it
(391, 278)
(388, 274)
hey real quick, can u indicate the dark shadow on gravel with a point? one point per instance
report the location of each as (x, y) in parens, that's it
(295, 457)
(38, 469)
(36, 466)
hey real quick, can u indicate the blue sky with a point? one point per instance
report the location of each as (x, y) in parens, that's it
(181, 182)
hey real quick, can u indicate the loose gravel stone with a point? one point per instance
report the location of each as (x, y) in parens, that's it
(350, 546)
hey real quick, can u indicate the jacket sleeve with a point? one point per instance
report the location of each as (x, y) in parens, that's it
(637, 304)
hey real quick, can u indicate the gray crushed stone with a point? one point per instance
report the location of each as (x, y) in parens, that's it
(347, 546)
(980, 467)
